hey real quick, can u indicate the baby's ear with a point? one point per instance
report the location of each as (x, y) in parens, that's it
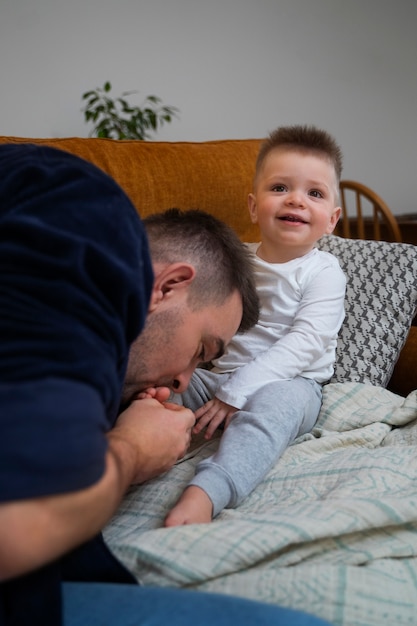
(334, 218)
(253, 211)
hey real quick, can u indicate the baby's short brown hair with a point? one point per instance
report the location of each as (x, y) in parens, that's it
(305, 139)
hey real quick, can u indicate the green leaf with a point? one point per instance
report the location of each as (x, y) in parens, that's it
(117, 119)
(87, 94)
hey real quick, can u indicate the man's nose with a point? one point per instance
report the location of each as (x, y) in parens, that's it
(181, 382)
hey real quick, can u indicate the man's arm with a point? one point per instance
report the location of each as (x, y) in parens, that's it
(147, 439)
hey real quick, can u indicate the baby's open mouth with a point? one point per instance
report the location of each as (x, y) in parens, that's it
(292, 218)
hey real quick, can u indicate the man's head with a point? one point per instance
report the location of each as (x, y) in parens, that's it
(204, 292)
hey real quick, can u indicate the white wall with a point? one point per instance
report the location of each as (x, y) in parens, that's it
(234, 68)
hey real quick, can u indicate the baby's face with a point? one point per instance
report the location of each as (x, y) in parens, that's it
(294, 199)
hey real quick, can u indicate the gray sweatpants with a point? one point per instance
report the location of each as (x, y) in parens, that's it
(255, 438)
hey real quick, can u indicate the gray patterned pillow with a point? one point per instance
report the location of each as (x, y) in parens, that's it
(381, 301)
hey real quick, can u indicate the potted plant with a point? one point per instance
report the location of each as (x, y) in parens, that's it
(115, 118)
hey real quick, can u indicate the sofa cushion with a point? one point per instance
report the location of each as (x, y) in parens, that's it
(381, 301)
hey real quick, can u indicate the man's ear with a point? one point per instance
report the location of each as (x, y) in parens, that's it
(169, 281)
(253, 212)
(333, 220)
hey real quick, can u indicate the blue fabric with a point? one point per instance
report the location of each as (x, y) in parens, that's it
(111, 605)
(75, 282)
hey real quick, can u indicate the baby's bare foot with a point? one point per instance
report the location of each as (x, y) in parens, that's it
(194, 507)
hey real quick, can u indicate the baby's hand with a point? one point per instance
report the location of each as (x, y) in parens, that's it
(211, 415)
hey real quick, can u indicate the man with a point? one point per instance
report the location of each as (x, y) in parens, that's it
(87, 323)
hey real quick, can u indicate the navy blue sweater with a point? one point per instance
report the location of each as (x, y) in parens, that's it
(75, 282)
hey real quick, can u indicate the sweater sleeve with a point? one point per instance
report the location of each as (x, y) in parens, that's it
(75, 280)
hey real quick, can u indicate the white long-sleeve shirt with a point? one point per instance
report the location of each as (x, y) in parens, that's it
(302, 309)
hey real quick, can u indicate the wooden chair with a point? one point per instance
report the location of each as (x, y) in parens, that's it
(381, 225)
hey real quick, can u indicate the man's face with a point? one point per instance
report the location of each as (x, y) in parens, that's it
(175, 340)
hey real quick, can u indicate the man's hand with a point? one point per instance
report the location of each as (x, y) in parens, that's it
(155, 435)
(211, 415)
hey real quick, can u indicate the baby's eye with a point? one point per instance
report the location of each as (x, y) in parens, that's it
(316, 193)
(278, 188)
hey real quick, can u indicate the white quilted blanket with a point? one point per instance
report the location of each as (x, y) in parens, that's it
(332, 530)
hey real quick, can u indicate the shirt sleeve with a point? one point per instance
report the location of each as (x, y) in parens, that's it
(53, 438)
(313, 334)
